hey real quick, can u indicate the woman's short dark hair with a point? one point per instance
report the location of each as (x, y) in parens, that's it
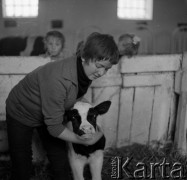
(100, 46)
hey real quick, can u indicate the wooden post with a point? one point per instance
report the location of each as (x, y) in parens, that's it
(181, 123)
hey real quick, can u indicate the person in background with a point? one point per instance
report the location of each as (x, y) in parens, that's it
(128, 45)
(79, 47)
(54, 44)
(40, 99)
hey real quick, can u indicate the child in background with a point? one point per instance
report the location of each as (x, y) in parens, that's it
(128, 45)
(79, 47)
(54, 45)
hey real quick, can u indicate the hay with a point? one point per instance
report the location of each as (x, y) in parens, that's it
(146, 156)
(136, 153)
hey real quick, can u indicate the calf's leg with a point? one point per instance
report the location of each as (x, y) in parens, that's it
(77, 163)
(96, 164)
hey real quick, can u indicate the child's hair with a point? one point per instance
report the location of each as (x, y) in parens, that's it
(56, 34)
(129, 48)
(79, 48)
(98, 47)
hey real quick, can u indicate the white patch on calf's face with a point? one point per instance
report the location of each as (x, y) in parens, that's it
(83, 109)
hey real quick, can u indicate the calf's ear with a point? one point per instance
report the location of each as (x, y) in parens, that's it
(103, 107)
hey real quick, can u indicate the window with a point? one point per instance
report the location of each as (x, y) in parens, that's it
(135, 9)
(20, 8)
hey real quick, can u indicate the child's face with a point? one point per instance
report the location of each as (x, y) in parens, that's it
(53, 46)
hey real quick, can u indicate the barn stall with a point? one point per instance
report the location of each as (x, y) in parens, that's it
(144, 91)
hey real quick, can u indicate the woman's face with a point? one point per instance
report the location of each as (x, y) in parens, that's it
(96, 69)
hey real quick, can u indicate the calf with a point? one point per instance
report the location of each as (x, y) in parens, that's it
(83, 119)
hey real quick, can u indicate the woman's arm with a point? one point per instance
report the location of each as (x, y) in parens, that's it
(86, 139)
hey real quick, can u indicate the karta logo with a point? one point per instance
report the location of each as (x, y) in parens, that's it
(120, 168)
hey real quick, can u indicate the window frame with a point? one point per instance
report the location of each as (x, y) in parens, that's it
(148, 11)
(14, 5)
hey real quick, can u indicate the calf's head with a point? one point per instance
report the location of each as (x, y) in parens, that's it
(84, 116)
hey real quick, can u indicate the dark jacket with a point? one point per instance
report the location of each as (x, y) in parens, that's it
(44, 94)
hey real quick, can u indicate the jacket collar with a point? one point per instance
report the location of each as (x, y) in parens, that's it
(70, 69)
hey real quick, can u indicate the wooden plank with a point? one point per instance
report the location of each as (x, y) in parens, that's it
(145, 79)
(155, 119)
(142, 112)
(184, 74)
(106, 81)
(109, 120)
(172, 122)
(151, 63)
(20, 65)
(181, 124)
(125, 117)
(161, 114)
(5, 87)
(7, 82)
(161, 110)
(178, 81)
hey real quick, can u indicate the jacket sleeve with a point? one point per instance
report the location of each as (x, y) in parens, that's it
(53, 95)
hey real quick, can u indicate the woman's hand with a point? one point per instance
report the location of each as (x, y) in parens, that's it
(86, 139)
(90, 139)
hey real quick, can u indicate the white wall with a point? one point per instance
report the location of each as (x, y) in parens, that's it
(78, 14)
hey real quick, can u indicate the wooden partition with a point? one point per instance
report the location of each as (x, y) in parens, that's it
(181, 122)
(142, 91)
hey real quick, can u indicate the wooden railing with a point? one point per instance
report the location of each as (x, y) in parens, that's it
(142, 90)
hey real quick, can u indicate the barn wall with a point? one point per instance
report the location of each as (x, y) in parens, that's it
(142, 91)
(80, 17)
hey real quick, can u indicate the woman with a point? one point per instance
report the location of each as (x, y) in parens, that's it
(41, 98)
